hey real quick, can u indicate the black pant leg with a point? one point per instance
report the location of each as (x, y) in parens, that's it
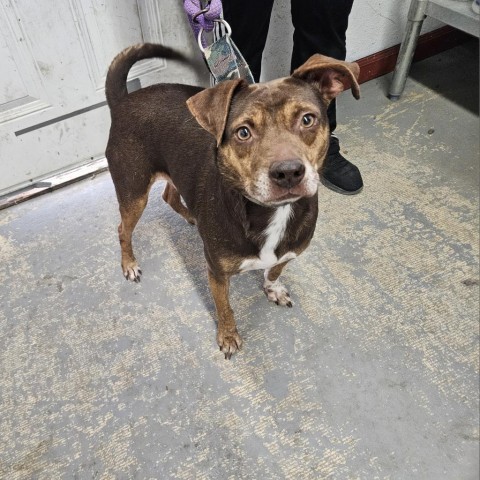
(249, 20)
(320, 27)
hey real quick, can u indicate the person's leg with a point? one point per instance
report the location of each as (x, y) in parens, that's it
(249, 20)
(320, 27)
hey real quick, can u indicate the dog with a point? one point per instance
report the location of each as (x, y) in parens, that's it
(240, 161)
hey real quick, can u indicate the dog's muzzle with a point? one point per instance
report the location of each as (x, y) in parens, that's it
(282, 182)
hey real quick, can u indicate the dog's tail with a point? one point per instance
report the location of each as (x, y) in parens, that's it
(116, 83)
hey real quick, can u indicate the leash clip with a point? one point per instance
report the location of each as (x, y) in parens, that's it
(221, 21)
(223, 59)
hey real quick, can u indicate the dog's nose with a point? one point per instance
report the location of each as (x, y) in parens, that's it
(287, 173)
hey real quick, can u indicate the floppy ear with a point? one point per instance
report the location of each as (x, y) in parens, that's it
(331, 76)
(210, 107)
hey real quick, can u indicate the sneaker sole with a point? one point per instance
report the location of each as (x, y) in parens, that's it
(336, 189)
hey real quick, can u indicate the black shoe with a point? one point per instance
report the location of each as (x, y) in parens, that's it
(338, 174)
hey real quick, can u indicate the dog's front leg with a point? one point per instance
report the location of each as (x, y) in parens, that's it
(274, 288)
(228, 338)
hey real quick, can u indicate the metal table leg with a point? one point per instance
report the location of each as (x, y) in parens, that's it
(416, 16)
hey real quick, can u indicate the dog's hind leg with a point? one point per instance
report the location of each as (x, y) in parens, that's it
(172, 197)
(130, 214)
(274, 289)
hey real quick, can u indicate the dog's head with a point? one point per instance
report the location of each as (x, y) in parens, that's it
(273, 137)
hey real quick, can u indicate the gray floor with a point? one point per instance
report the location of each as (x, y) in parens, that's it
(372, 375)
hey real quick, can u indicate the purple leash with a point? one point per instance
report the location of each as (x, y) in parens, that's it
(201, 16)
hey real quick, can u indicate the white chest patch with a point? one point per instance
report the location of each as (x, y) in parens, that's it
(273, 235)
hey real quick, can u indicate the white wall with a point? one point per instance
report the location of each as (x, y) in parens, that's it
(374, 26)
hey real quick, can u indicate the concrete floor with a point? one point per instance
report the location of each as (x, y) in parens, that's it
(372, 375)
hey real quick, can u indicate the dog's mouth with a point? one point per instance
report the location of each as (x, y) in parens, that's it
(281, 198)
(287, 197)
(268, 193)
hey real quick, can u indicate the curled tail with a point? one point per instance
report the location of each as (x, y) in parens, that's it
(116, 83)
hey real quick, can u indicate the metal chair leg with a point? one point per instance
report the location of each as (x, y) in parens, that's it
(416, 16)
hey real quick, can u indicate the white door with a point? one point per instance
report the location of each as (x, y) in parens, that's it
(54, 55)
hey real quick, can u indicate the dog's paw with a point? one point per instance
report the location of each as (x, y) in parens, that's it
(132, 272)
(276, 292)
(229, 343)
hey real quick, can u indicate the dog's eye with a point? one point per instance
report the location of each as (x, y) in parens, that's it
(308, 120)
(243, 133)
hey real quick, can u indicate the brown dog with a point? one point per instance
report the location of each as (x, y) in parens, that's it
(244, 159)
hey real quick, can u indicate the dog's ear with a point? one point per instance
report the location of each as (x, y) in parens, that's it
(210, 107)
(331, 76)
